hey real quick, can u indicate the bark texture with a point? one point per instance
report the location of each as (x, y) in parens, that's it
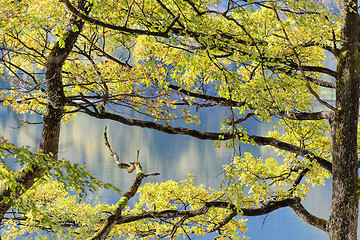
(52, 117)
(345, 203)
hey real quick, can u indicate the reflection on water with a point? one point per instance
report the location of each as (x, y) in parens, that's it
(173, 156)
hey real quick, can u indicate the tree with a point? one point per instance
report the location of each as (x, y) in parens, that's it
(165, 60)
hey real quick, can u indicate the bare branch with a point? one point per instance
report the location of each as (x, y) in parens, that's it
(129, 167)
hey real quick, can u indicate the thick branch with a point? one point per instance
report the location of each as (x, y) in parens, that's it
(263, 141)
(253, 211)
(269, 207)
(308, 217)
(52, 118)
(318, 82)
(294, 66)
(86, 18)
(268, 141)
(321, 83)
(305, 115)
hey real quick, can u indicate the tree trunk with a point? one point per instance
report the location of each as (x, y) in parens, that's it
(54, 112)
(345, 202)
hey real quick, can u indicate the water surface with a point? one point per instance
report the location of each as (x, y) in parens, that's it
(173, 156)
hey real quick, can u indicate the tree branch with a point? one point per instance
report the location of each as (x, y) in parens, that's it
(304, 115)
(302, 69)
(129, 168)
(298, 180)
(232, 103)
(51, 128)
(293, 202)
(308, 217)
(318, 82)
(219, 100)
(321, 83)
(86, 18)
(111, 221)
(181, 31)
(223, 136)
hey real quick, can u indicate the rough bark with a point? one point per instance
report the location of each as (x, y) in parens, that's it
(345, 203)
(52, 117)
(343, 219)
(309, 218)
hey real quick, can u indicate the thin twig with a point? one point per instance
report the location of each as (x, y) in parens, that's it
(292, 47)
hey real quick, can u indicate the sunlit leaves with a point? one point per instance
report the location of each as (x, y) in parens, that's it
(253, 181)
(73, 175)
(242, 52)
(312, 135)
(244, 59)
(49, 207)
(183, 195)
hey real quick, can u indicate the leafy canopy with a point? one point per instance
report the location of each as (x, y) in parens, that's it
(164, 61)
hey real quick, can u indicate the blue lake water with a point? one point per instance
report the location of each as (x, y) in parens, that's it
(173, 156)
